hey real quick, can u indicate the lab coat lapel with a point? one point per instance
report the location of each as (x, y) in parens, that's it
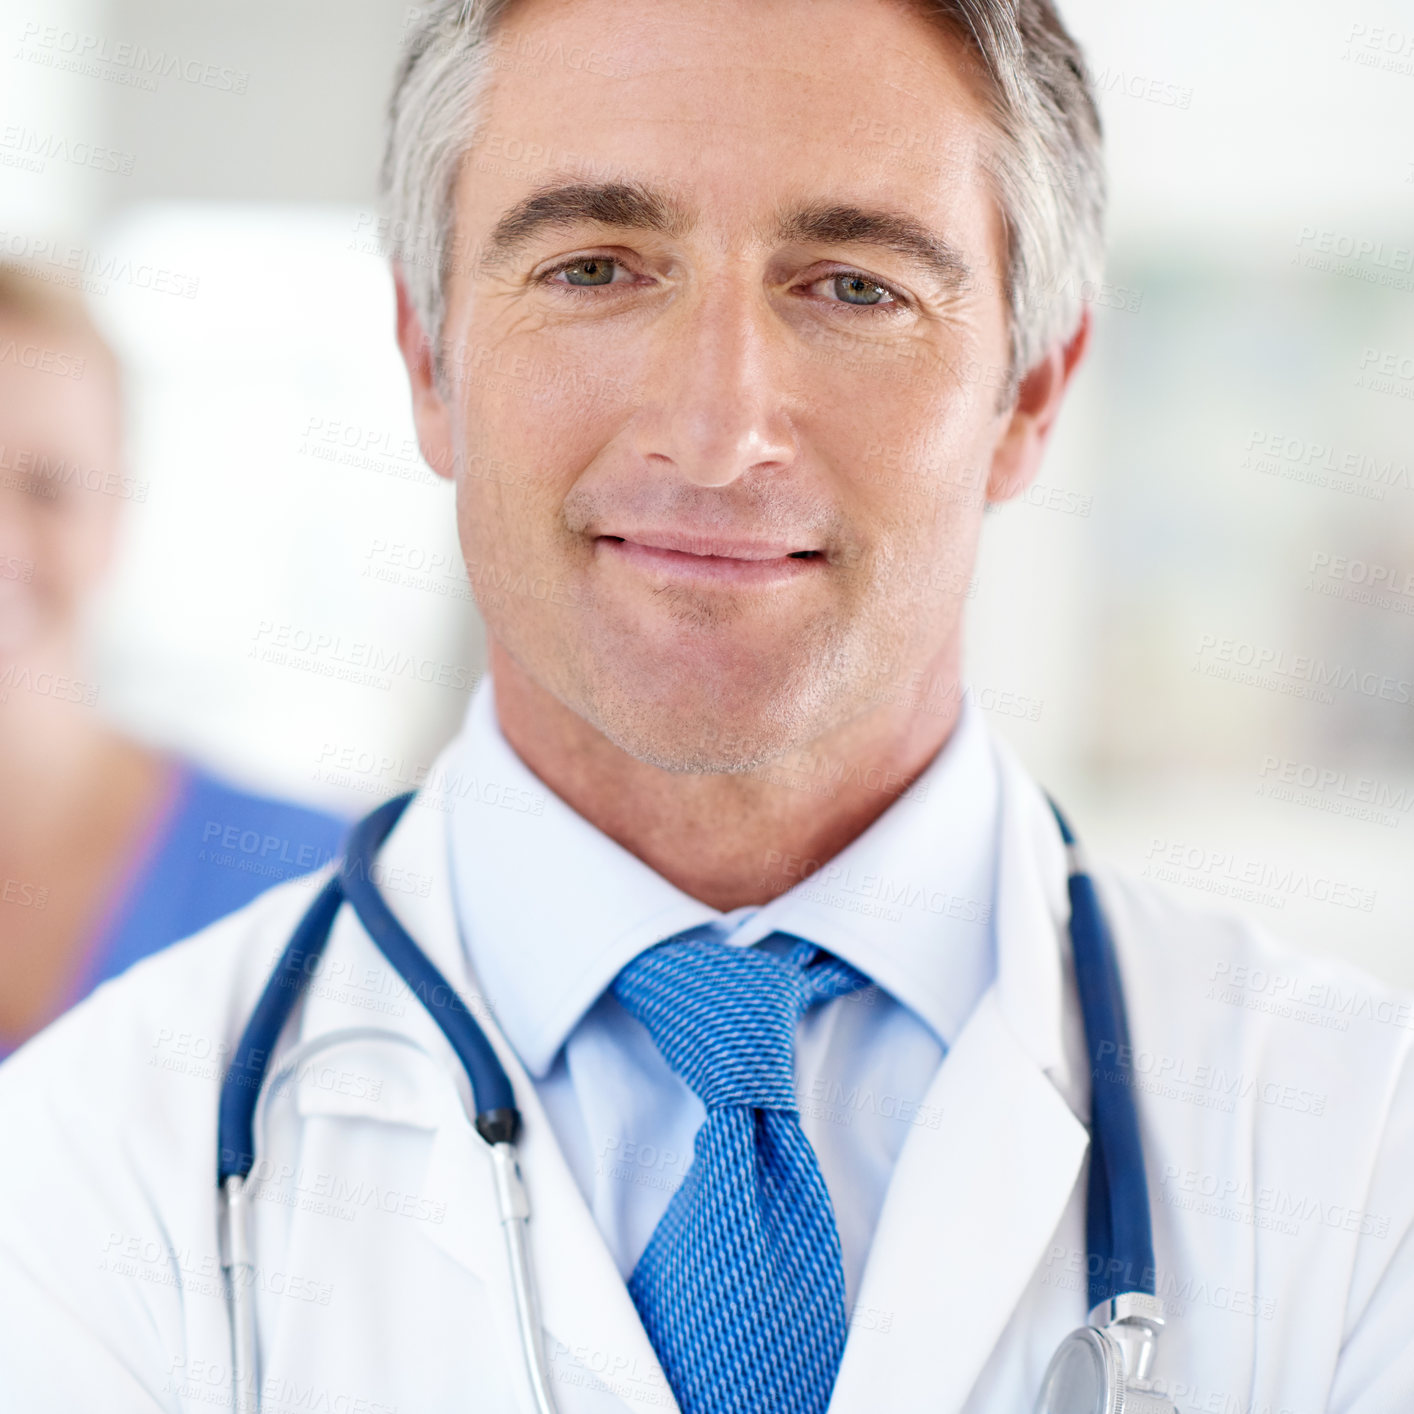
(600, 1354)
(972, 1204)
(597, 1346)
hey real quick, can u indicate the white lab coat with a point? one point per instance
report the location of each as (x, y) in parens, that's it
(1281, 1171)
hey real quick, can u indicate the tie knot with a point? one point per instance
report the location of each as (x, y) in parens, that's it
(724, 1017)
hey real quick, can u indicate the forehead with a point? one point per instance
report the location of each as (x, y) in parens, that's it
(736, 105)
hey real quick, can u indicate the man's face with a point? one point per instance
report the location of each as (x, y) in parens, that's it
(779, 333)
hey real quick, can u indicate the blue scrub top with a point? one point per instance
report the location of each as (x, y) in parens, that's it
(212, 849)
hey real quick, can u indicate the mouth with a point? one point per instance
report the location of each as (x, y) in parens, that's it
(706, 559)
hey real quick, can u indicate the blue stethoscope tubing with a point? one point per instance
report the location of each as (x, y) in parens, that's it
(1119, 1236)
(1119, 1240)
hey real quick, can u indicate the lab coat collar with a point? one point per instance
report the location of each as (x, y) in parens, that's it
(1033, 917)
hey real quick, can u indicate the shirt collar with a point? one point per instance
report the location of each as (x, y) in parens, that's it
(550, 908)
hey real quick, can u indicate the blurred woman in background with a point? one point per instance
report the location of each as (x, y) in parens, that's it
(109, 849)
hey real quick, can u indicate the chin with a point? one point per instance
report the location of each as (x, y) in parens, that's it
(701, 723)
(720, 703)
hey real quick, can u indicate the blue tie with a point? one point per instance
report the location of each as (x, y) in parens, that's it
(741, 1287)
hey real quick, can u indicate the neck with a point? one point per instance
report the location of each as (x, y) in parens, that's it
(729, 840)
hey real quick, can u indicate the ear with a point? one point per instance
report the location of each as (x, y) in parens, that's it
(1017, 457)
(430, 413)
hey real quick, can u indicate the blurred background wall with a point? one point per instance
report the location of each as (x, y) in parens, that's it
(1197, 630)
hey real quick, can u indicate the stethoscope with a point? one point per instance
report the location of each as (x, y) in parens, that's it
(1101, 1368)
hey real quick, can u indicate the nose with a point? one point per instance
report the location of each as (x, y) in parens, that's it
(713, 404)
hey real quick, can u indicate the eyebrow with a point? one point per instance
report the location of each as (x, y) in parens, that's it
(840, 224)
(636, 206)
(627, 205)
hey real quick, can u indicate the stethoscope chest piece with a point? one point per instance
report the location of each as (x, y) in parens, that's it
(1085, 1376)
(1102, 1368)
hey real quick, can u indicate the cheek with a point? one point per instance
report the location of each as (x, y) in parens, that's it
(74, 550)
(916, 459)
(524, 445)
(508, 510)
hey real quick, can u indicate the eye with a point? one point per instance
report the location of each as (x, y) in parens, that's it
(850, 286)
(860, 291)
(584, 272)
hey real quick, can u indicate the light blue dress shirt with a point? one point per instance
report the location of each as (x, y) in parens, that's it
(550, 909)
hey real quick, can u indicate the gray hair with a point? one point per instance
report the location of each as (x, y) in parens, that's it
(1045, 163)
